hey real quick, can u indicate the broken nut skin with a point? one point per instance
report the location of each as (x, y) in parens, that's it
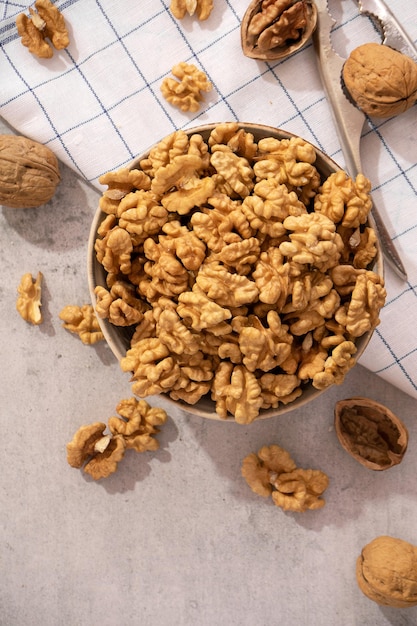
(370, 433)
(275, 29)
(381, 81)
(386, 572)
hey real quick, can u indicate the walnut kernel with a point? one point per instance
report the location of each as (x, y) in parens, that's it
(272, 472)
(47, 22)
(29, 301)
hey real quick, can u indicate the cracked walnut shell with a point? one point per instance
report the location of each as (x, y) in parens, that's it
(275, 29)
(386, 572)
(381, 81)
(370, 432)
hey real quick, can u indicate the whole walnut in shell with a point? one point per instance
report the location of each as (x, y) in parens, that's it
(29, 172)
(386, 572)
(380, 80)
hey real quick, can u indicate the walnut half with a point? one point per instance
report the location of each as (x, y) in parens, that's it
(370, 432)
(275, 29)
(45, 23)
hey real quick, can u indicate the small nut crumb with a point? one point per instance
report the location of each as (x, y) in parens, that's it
(29, 301)
(272, 472)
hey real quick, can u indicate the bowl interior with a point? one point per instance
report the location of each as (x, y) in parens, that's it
(118, 337)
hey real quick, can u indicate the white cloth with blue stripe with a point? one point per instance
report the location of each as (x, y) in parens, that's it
(98, 104)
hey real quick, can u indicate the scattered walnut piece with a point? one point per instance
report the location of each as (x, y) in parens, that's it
(272, 472)
(47, 22)
(138, 423)
(370, 432)
(185, 93)
(99, 453)
(275, 29)
(96, 452)
(203, 8)
(386, 572)
(380, 80)
(82, 445)
(29, 300)
(81, 320)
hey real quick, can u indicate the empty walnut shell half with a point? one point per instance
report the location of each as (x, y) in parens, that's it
(370, 432)
(274, 29)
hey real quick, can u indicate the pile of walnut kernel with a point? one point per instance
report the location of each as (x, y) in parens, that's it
(244, 276)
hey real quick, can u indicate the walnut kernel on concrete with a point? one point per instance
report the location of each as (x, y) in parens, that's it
(380, 80)
(137, 423)
(29, 303)
(272, 472)
(386, 572)
(82, 321)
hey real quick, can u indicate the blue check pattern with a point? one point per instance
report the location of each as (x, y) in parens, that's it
(98, 104)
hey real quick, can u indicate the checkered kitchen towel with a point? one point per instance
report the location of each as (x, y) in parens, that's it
(98, 104)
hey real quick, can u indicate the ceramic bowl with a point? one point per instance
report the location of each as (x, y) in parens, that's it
(118, 338)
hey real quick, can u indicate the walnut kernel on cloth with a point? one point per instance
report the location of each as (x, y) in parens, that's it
(180, 8)
(29, 300)
(185, 93)
(380, 80)
(235, 269)
(386, 572)
(96, 452)
(46, 23)
(272, 472)
(82, 321)
(99, 453)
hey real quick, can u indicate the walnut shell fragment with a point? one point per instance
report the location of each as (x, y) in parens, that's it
(370, 432)
(386, 572)
(275, 29)
(381, 81)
